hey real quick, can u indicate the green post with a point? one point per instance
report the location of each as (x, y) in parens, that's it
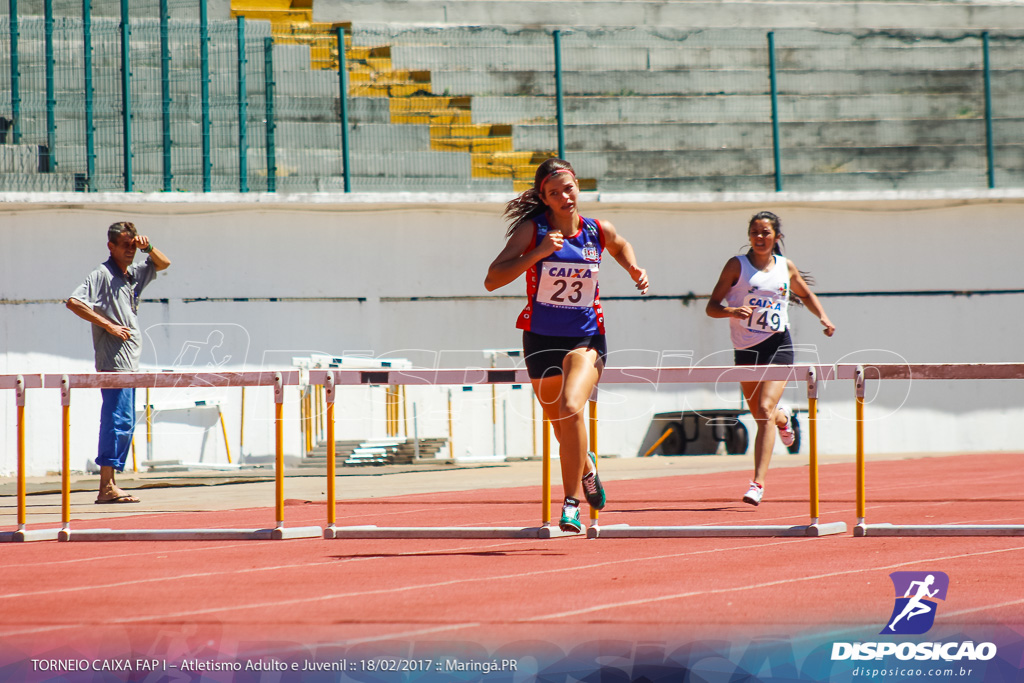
(165, 93)
(15, 77)
(90, 130)
(776, 146)
(268, 77)
(51, 99)
(989, 142)
(126, 96)
(343, 93)
(243, 111)
(204, 65)
(559, 106)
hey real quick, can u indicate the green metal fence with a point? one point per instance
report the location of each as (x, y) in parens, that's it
(158, 97)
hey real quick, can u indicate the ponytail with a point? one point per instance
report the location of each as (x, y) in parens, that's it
(524, 207)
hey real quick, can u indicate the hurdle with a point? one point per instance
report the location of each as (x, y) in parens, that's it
(923, 371)
(811, 374)
(331, 379)
(21, 383)
(117, 380)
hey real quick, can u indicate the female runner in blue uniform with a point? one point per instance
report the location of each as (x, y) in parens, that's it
(563, 325)
(756, 288)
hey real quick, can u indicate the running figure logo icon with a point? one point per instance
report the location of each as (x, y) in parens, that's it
(916, 592)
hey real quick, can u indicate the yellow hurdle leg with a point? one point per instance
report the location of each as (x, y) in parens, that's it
(545, 519)
(21, 452)
(329, 390)
(149, 427)
(223, 428)
(65, 475)
(812, 434)
(279, 447)
(593, 444)
(861, 479)
(812, 430)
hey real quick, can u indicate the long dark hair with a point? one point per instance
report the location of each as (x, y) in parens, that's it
(529, 203)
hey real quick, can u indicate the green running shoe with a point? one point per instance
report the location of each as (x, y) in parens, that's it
(592, 489)
(571, 516)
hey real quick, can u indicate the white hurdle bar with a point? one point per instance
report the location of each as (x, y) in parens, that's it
(811, 374)
(860, 374)
(119, 380)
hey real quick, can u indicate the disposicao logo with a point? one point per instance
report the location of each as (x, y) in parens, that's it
(916, 601)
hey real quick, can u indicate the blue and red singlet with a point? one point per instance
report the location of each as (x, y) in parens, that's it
(562, 290)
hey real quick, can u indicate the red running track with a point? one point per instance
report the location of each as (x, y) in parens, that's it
(182, 598)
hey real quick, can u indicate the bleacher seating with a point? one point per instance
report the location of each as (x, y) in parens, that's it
(889, 100)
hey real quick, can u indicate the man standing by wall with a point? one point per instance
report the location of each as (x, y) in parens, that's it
(109, 299)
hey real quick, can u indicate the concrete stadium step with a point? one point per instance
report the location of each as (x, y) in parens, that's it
(519, 166)
(641, 57)
(22, 158)
(37, 182)
(753, 161)
(153, 182)
(471, 137)
(736, 108)
(536, 43)
(375, 452)
(712, 136)
(811, 182)
(430, 110)
(721, 82)
(779, 14)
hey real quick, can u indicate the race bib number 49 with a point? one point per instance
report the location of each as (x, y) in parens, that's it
(766, 320)
(572, 285)
(769, 315)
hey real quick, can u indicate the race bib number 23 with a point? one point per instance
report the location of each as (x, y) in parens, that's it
(572, 285)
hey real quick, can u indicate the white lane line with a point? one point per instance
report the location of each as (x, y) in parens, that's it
(763, 584)
(356, 594)
(200, 575)
(830, 635)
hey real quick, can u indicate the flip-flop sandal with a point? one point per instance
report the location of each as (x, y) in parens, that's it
(118, 500)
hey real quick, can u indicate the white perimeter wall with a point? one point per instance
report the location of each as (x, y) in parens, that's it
(402, 276)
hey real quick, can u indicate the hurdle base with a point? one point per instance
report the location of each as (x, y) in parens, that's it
(627, 531)
(938, 530)
(827, 529)
(188, 534)
(23, 535)
(371, 531)
(287, 533)
(548, 531)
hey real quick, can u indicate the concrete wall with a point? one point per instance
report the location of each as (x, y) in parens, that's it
(917, 277)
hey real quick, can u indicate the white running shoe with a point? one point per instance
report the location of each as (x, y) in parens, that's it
(754, 494)
(786, 433)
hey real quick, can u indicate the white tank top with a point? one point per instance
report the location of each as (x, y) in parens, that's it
(767, 292)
